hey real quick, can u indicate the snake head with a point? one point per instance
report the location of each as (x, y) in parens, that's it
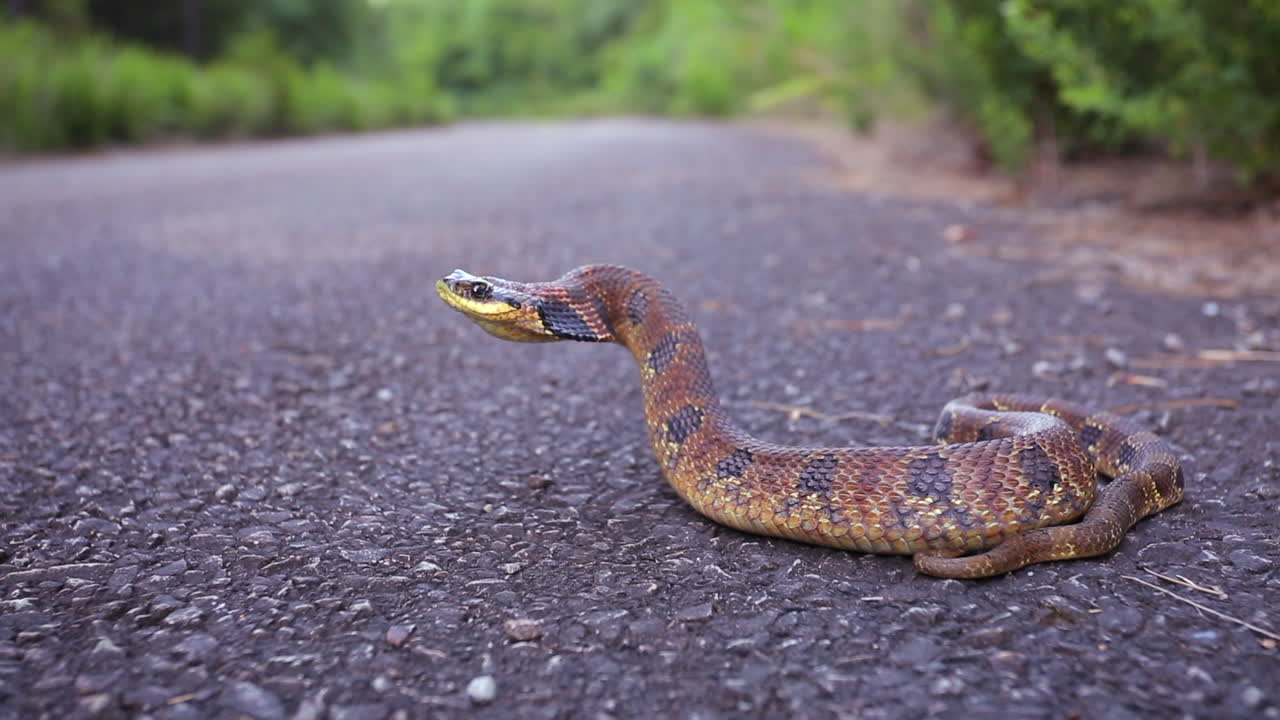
(502, 308)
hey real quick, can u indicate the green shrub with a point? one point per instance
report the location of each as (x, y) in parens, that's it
(1102, 75)
(1187, 76)
(77, 103)
(228, 100)
(81, 91)
(145, 96)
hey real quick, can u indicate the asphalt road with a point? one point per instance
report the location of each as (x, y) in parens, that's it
(251, 465)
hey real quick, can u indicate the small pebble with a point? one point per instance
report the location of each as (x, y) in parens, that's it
(1064, 608)
(702, 611)
(311, 708)
(1250, 561)
(946, 686)
(1045, 370)
(247, 698)
(1008, 661)
(1122, 620)
(915, 651)
(956, 234)
(522, 629)
(1116, 357)
(186, 616)
(925, 616)
(1211, 639)
(106, 647)
(482, 689)
(95, 705)
(1252, 696)
(991, 636)
(255, 493)
(198, 645)
(398, 635)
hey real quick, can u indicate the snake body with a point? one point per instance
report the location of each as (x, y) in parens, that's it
(1009, 471)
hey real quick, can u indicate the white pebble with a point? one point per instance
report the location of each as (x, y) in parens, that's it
(482, 689)
(1252, 696)
(1044, 369)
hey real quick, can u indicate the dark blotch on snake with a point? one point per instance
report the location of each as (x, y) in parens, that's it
(736, 464)
(637, 306)
(1039, 468)
(1127, 453)
(564, 322)
(927, 476)
(1090, 434)
(684, 423)
(818, 474)
(664, 352)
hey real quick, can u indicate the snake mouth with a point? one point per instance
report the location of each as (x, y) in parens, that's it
(447, 293)
(471, 294)
(500, 308)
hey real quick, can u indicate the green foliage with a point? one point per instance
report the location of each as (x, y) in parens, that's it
(1187, 76)
(1098, 74)
(228, 99)
(972, 66)
(80, 91)
(1190, 74)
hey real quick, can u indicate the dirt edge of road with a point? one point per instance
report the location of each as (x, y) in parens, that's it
(1141, 221)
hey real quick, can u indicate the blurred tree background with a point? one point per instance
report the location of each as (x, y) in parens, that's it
(1194, 78)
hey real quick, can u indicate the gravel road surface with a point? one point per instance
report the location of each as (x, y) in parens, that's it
(251, 466)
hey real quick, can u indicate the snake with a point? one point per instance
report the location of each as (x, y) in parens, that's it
(1012, 479)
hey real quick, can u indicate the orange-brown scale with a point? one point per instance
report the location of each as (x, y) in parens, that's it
(1011, 471)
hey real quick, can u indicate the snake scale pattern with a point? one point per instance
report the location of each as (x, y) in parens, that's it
(999, 492)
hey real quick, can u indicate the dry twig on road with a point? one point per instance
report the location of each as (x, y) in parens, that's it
(1204, 608)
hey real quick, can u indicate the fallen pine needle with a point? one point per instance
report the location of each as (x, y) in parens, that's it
(1136, 379)
(1239, 355)
(950, 350)
(1182, 403)
(865, 323)
(1204, 608)
(1213, 590)
(795, 412)
(1177, 362)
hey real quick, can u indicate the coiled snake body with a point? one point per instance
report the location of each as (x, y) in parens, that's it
(1009, 472)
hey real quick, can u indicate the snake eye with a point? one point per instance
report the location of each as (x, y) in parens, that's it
(481, 290)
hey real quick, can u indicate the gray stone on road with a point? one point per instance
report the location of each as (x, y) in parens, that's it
(250, 464)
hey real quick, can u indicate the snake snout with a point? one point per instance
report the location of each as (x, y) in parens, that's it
(456, 277)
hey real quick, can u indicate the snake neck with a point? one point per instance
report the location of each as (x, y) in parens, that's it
(634, 310)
